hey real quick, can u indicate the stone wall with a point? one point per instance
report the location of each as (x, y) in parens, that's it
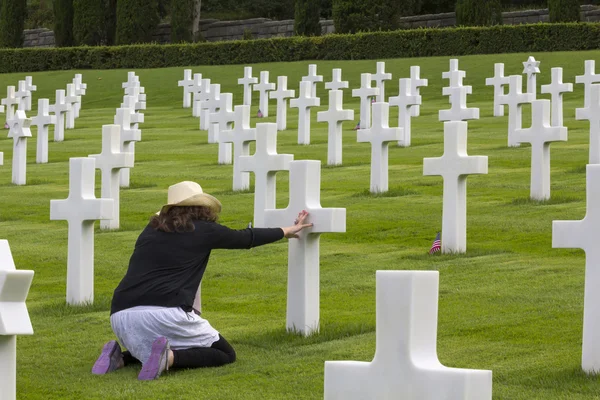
(261, 28)
(38, 38)
(588, 14)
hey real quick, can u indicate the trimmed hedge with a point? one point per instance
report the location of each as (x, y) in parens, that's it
(12, 22)
(376, 45)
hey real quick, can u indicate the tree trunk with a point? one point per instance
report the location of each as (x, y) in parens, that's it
(196, 27)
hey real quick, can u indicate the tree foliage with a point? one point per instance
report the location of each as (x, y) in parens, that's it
(564, 10)
(12, 22)
(351, 16)
(306, 18)
(63, 23)
(89, 25)
(478, 12)
(136, 21)
(182, 20)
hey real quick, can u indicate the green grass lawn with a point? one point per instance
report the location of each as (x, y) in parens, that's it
(511, 304)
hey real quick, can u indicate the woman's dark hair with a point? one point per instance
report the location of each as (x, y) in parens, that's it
(180, 218)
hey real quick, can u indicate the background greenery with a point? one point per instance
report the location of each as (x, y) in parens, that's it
(512, 304)
(369, 45)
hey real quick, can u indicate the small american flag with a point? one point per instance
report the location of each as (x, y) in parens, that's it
(357, 127)
(437, 245)
(260, 114)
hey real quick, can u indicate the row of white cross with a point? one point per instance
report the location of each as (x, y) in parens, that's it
(408, 99)
(400, 355)
(81, 208)
(19, 125)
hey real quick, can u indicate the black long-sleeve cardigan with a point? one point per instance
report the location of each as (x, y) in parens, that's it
(166, 268)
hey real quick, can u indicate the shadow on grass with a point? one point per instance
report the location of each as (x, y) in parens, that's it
(329, 332)
(233, 192)
(429, 183)
(438, 257)
(578, 170)
(59, 308)
(395, 192)
(520, 201)
(30, 182)
(140, 185)
(348, 164)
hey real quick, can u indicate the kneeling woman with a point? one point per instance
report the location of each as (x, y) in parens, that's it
(152, 311)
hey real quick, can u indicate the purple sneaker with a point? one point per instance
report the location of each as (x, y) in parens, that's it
(158, 361)
(110, 359)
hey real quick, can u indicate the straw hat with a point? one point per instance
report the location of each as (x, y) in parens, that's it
(188, 193)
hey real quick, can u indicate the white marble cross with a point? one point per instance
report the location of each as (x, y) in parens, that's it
(379, 135)
(72, 99)
(499, 81)
(282, 94)
(265, 163)
(22, 94)
(129, 102)
(334, 117)
(531, 67)
(380, 77)
(263, 88)
(303, 253)
(43, 120)
(458, 100)
(515, 100)
(240, 137)
(556, 90)
(109, 162)
(221, 121)
(336, 80)
(592, 114)
(415, 84)
(405, 365)
(10, 101)
(405, 101)
(80, 90)
(31, 88)
(186, 83)
(132, 80)
(59, 108)
(583, 234)
(212, 106)
(203, 104)
(454, 166)
(247, 81)
(81, 209)
(304, 103)
(138, 91)
(313, 78)
(129, 135)
(196, 90)
(19, 131)
(588, 79)
(540, 135)
(14, 318)
(454, 75)
(365, 93)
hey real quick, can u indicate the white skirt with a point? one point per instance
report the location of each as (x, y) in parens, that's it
(137, 327)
